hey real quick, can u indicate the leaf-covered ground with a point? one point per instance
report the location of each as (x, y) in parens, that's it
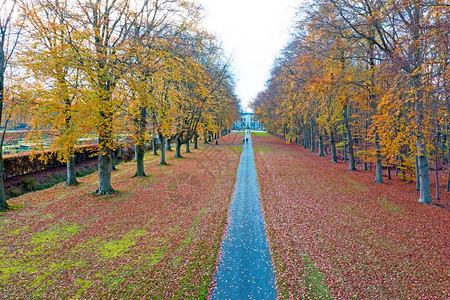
(156, 237)
(337, 234)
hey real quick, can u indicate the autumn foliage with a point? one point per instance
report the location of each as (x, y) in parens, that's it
(369, 78)
(144, 71)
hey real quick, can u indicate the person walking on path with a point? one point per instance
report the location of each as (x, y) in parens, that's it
(217, 141)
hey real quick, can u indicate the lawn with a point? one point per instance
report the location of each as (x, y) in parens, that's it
(335, 234)
(260, 133)
(157, 237)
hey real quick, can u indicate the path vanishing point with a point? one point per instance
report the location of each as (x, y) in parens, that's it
(245, 268)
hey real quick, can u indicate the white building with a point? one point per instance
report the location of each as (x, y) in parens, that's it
(247, 121)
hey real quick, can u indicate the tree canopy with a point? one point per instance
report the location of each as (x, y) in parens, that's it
(138, 70)
(372, 77)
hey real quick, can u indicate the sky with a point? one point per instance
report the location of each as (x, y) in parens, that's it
(252, 32)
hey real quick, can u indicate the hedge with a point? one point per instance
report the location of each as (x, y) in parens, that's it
(27, 163)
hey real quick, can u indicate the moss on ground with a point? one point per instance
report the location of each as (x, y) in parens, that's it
(314, 280)
(390, 206)
(36, 261)
(112, 249)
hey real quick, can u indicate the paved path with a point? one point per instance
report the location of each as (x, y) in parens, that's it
(245, 265)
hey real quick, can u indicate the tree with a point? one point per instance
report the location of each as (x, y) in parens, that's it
(370, 74)
(104, 26)
(400, 29)
(154, 34)
(9, 37)
(56, 82)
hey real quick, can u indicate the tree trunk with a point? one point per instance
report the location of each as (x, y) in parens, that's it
(177, 148)
(3, 203)
(71, 174)
(140, 161)
(196, 141)
(155, 152)
(389, 172)
(351, 165)
(417, 61)
(305, 138)
(312, 136)
(365, 166)
(104, 172)
(373, 96)
(333, 147)
(4, 39)
(141, 141)
(443, 140)
(425, 192)
(321, 154)
(379, 165)
(437, 170)
(417, 174)
(187, 147)
(163, 150)
(402, 166)
(345, 154)
(205, 138)
(135, 152)
(422, 161)
(168, 146)
(105, 142)
(113, 160)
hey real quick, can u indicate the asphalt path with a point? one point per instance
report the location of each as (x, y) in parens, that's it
(245, 268)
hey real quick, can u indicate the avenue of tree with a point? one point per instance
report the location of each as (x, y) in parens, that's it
(145, 70)
(372, 79)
